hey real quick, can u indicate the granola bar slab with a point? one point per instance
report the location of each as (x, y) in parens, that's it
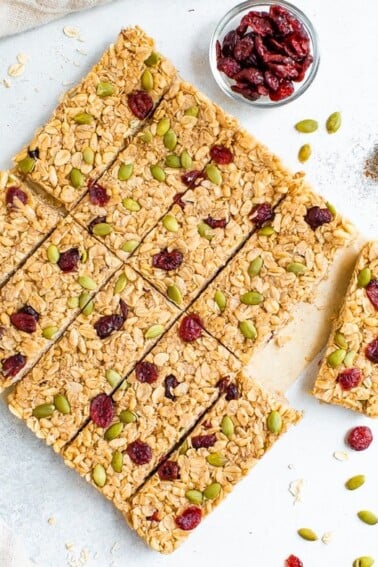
(94, 119)
(230, 439)
(93, 355)
(253, 297)
(348, 375)
(140, 186)
(24, 222)
(174, 384)
(40, 300)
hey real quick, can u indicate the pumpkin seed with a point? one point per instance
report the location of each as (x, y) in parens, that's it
(73, 302)
(154, 331)
(117, 461)
(274, 422)
(340, 340)
(304, 153)
(170, 223)
(173, 161)
(157, 173)
(355, 482)
(129, 246)
(194, 496)
(252, 298)
(368, 517)
(152, 59)
(174, 294)
(266, 231)
(147, 80)
(99, 475)
(49, 332)
(255, 266)
(349, 358)
(220, 300)
(192, 111)
(62, 404)
(87, 283)
(120, 283)
(213, 174)
(102, 229)
(76, 177)
(83, 299)
(184, 447)
(170, 140)
(163, 126)
(88, 309)
(336, 358)
(331, 208)
(364, 277)
(125, 171)
(88, 156)
(186, 160)
(333, 122)
(248, 330)
(83, 118)
(146, 136)
(307, 534)
(364, 561)
(113, 431)
(43, 410)
(26, 165)
(205, 231)
(212, 491)
(296, 268)
(127, 416)
(131, 205)
(113, 377)
(105, 89)
(84, 257)
(216, 459)
(306, 126)
(53, 254)
(227, 426)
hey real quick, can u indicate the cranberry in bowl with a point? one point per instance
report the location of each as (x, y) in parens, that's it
(264, 53)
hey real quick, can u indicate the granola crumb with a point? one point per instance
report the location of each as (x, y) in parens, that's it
(22, 58)
(327, 537)
(51, 521)
(7, 84)
(69, 546)
(290, 466)
(82, 51)
(341, 455)
(281, 340)
(115, 547)
(296, 489)
(16, 70)
(71, 32)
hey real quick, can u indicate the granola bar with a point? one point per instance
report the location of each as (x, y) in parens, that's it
(100, 347)
(230, 439)
(349, 373)
(24, 222)
(278, 267)
(168, 391)
(139, 187)
(93, 121)
(42, 297)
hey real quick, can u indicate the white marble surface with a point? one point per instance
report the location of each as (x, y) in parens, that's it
(257, 524)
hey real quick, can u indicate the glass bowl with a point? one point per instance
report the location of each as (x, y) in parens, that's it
(231, 20)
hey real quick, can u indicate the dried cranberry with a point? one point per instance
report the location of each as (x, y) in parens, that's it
(146, 372)
(283, 20)
(372, 292)
(218, 49)
(283, 71)
(154, 517)
(207, 424)
(259, 22)
(298, 45)
(169, 471)
(95, 221)
(349, 378)
(316, 217)
(140, 104)
(189, 179)
(69, 260)
(360, 438)
(228, 66)
(271, 81)
(371, 351)
(284, 90)
(190, 328)
(221, 155)
(30, 311)
(139, 452)
(23, 322)
(170, 383)
(251, 75)
(229, 43)
(229, 388)
(102, 410)
(13, 364)
(243, 48)
(34, 154)
(98, 195)
(124, 309)
(260, 214)
(167, 260)
(189, 519)
(293, 561)
(177, 200)
(15, 193)
(247, 92)
(215, 223)
(107, 324)
(204, 441)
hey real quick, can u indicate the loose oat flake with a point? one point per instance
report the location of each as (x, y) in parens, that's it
(16, 70)
(296, 489)
(341, 455)
(22, 58)
(327, 537)
(71, 32)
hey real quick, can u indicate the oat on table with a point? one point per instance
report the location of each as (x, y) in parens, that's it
(349, 373)
(279, 266)
(94, 119)
(140, 186)
(102, 345)
(230, 439)
(168, 391)
(40, 300)
(24, 222)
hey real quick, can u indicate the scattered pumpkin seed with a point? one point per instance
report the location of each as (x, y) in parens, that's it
(76, 177)
(184, 447)
(186, 160)
(49, 332)
(147, 80)
(99, 475)
(120, 283)
(88, 309)
(368, 517)
(157, 172)
(154, 331)
(307, 534)
(73, 302)
(296, 268)
(220, 300)
(355, 482)
(364, 561)
(127, 416)
(255, 266)
(62, 404)
(113, 431)
(174, 294)
(146, 136)
(53, 254)
(336, 357)
(153, 59)
(83, 299)
(274, 422)
(163, 126)
(117, 461)
(227, 426)
(333, 122)
(340, 340)
(194, 496)
(205, 231)
(43, 410)
(252, 298)
(192, 111)
(248, 330)
(84, 257)
(170, 223)
(331, 208)
(213, 174)
(113, 377)
(306, 126)
(364, 277)
(304, 153)
(212, 491)
(349, 358)
(172, 160)
(87, 283)
(26, 165)
(129, 246)
(131, 205)
(216, 459)
(266, 231)
(88, 156)
(105, 89)
(102, 229)
(170, 140)
(125, 171)
(83, 118)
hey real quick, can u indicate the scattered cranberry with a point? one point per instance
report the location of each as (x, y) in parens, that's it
(177, 200)
(229, 66)
(349, 378)
(359, 438)
(34, 154)
(102, 410)
(204, 441)
(140, 104)
(229, 388)
(215, 223)
(293, 561)
(107, 324)
(95, 221)
(372, 292)
(30, 311)
(124, 309)
(12, 365)
(69, 260)
(169, 471)
(190, 328)
(189, 519)
(170, 383)
(167, 260)
(146, 372)
(260, 214)
(154, 517)
(221, 155)
(372, 351)
(189, 179)
(207, 424)
(97, 194)
(23, 322)
(15, 193)
(139, 452)
(316, 216)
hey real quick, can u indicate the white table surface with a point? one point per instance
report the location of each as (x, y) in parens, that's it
(258, 522)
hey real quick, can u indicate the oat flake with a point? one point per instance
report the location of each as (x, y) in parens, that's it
(327, 537)
(71, 32)
(341, 455)
(296, 490)
(22, 58)
(16, 70)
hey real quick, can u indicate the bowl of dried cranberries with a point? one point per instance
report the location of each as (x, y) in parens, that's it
(264, 53)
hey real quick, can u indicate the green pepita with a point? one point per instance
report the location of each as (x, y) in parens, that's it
(255, 266)
(333, 122)
(220, 300)
(157, 173)
(153, 59)
(154, 331)
(170, 140)
(146, 136)
(129, 246)
(205, 231)
(62, 404)
(212, 491)
(304, 153)
(117, 461)
(192, 111)
(99, 475)
(120, 283)
(184, 447)
(53, 254)
(131, 205)
(172, 160)
(88, 309)
(349, 358)
(113, 431)
(127, 416)
(88, 156)
(186, 160)
(73, 302)
(102, 229)
(174, 294)
(105, 89)
(336, 358)
(307, 534)
(49, 332)
(340, 340)
(274, 422)
(368, 517)
(125, 171)
(147, 80)
(170, 223)
(87, 283)
(76, 178)
(83, 299)
(266, 231)
(43, 410)
(331, 208)
(252, 298)
(364, 277)
(194, 496)
(227, 426)
(216, 459)
(83, 118)
(163, 126)
(84, 257)
(364, 561)
(213, 174)
(296, 268)
(306, 126)
(26, 165)
(355, 482)
(248, 330)
(113, 377)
